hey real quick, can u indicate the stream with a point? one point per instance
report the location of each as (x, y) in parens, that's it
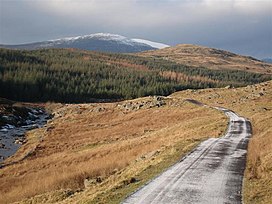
(12, 134)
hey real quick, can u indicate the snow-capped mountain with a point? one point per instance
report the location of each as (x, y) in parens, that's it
(99, 42)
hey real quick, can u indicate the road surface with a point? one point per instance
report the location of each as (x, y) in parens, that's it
(212, 173)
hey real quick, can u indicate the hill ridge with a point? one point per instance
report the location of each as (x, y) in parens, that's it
(212, 58)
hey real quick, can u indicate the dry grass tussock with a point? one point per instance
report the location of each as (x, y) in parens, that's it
(100, 152)
(255, 103)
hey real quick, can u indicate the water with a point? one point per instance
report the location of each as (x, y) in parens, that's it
(12, 138)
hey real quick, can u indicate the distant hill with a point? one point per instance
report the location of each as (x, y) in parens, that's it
(105, 42)
(199, 56)
(267, 60)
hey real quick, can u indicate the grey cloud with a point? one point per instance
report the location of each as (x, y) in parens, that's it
(237, 25)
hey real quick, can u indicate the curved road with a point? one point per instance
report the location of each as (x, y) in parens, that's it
(211, 173)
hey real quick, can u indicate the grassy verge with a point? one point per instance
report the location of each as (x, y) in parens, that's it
(126, 187)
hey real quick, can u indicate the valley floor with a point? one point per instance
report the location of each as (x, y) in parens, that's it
(99, 153)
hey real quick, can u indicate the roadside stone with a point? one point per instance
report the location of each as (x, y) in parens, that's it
(129, 181)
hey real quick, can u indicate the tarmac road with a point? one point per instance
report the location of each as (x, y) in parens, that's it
(211, 173)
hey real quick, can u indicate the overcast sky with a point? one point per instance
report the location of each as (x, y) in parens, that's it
(241, 26)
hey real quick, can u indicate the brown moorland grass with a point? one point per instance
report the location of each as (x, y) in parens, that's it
(255, 103)
(200, 56)
(119, 150)
(116, 150)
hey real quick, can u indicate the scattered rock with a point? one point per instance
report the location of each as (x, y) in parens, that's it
(148, 130)
(99, 109)
(228, 87)
(133, 180)
(148, 155)
(20, 135)
(8, 126)
(3, 130)
(155, 101)
(193, 90)
(87, 183)
(114, 171)
(98, 179)
(58, 114)
(19, 141)
(32, 116)
(92, 181)
(157, 98)
(48, 129)
(2, 145)
(129, 181)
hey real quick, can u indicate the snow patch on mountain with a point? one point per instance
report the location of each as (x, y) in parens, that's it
(151, 43)
(100, 36)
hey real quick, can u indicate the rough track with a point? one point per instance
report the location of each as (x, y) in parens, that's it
(212, 173)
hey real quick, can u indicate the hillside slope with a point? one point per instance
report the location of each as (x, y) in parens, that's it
(200, 56)
(70, 75)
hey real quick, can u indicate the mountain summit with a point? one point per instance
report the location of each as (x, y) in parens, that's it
(98, 42)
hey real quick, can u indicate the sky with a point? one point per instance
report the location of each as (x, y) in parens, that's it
(240, 26)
